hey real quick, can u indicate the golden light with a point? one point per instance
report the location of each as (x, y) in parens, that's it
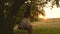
(51, 12)
(40, 16)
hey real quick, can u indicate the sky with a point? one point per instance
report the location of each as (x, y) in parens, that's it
(51, 12)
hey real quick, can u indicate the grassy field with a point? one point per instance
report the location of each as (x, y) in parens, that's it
(51, 26)
(46, 30)
(41, 30)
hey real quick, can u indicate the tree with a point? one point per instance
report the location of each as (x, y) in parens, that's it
(36, 5)
(34, 12)
(6, 25)
(57, 3)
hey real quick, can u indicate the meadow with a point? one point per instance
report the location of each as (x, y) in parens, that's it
(51, 26)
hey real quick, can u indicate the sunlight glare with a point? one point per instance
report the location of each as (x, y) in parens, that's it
(51, 12)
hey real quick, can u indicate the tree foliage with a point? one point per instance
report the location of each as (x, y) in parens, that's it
(8, 13)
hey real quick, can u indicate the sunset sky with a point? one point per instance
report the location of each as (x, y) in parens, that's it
(51, 12)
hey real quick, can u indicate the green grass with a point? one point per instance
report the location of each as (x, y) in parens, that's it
(42, 30)
(17, 31)
(46, 30)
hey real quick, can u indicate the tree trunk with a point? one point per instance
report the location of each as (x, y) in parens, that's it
(6, 25)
